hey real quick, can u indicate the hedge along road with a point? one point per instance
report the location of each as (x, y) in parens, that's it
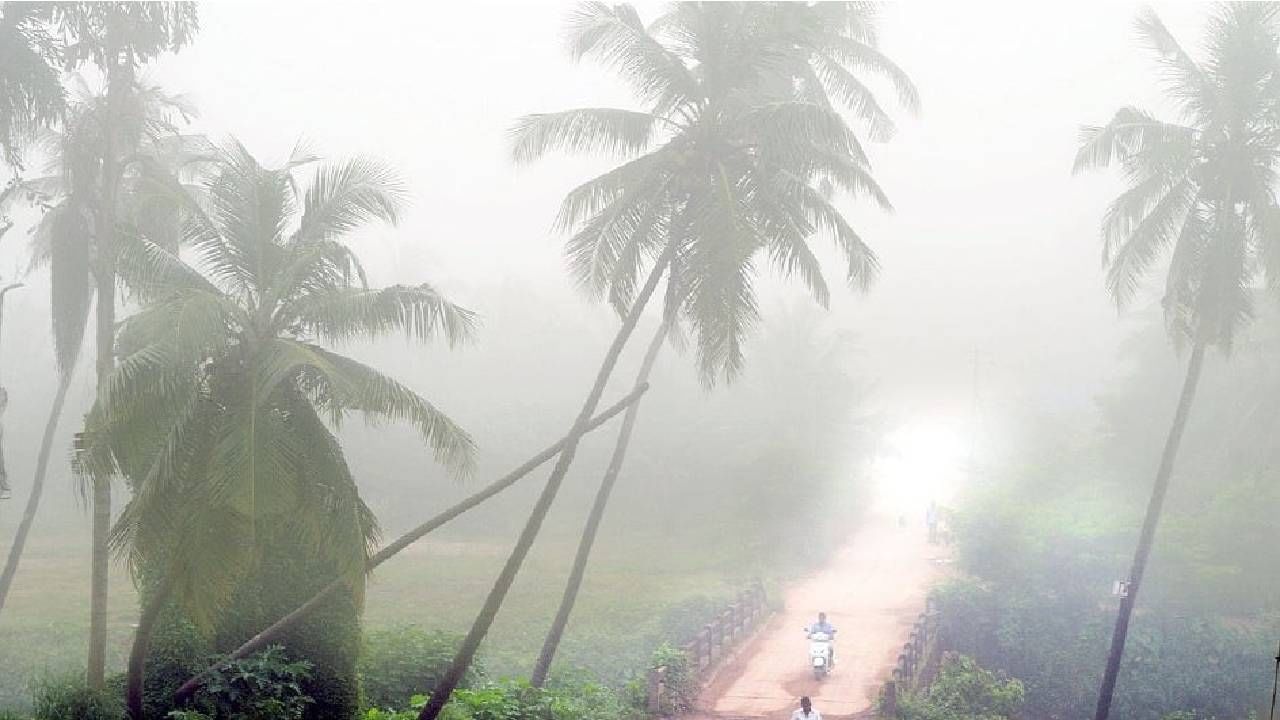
(872, 591)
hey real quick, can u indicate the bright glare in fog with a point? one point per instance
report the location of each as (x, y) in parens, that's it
(918, 462)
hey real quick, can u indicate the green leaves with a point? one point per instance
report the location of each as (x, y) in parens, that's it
(746, 101)
(1201, 192)
(221, 410)
(419, 311)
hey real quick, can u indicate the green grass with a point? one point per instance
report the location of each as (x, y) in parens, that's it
(634, 596)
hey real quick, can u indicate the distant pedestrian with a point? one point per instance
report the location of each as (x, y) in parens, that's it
(931, 519)
(806, 711)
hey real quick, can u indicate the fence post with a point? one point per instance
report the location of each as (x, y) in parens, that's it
(655, 690)
(889, 708)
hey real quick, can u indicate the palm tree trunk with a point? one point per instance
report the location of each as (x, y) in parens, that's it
(96, 670)
(1149, 523)
(498, 593)
(37, 487)
(265, 637)
(588, 539)
(137, 673)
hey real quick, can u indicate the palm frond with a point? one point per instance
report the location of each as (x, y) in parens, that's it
(1130, 132)
(419, 311)
(71, 287)
(1129, 259)
(615, 36)
(607, 131)
(343, 196)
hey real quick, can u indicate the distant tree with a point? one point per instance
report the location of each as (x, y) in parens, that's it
(116, 37)
(727, 163)
(149, 192)
(1203, 190)
(221, 413)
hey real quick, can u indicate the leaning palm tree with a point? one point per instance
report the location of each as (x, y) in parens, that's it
(31, 92)
(1201, 189)
(725, 167)
(222, 411)
(784, 183)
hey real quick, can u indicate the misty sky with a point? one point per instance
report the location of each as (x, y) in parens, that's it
(993, 247)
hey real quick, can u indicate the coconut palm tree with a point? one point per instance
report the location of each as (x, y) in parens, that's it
(149, 194)
(222, 410)
(118, 38)
(1201, 189)
(724, 167)
(758, 64)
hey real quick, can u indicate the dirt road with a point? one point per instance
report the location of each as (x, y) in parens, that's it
(872, 591)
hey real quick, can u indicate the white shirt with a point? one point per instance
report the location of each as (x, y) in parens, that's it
(813, 715)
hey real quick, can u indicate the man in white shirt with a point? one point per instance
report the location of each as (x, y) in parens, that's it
(806, 711)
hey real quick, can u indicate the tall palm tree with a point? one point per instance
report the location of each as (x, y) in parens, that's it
(723, 166)
(772, 79)
(1202, 190)
(221, 413)
(148, 196)
(117, 37)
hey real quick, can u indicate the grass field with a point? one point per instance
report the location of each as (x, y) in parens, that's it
(635, 596)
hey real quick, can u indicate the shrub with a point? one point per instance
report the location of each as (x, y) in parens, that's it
(397, 664)
(965, 691)
(265, 686)
(517, 700)
(68, 698)
(681, 684)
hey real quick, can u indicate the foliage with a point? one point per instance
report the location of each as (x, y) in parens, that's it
(68, 698)
(965, 691)
(1201, 188)
(31, 92)
(398, 663)
(265, 686)
(517, 700)
(221, 409)
(1036, 607)
(680, 681)
(732, 161)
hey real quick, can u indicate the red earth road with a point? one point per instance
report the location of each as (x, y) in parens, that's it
(872, 591)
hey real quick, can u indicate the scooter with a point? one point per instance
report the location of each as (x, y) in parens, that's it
(820, 654)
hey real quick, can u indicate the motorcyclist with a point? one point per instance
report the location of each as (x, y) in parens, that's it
(822, 626)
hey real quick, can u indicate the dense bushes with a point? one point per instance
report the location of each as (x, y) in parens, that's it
(965, 691)
(69, 698)
(1037, 607)
(266, 686)
(399, 663)
(517, 700)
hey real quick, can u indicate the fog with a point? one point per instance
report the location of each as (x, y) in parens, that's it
(987, 371)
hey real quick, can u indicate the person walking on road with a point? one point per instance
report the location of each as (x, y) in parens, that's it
(806, 711)
(931, 519)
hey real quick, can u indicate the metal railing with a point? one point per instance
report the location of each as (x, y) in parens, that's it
(712, 644)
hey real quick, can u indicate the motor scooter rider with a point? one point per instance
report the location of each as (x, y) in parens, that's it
(822, 626)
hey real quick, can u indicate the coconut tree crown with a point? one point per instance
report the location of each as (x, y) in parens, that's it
(733, 160)
(1201, 188)
(222, 410)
